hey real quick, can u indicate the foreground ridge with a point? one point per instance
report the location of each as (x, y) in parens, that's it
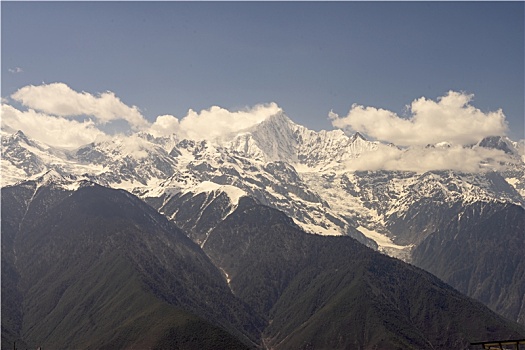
(96, 253)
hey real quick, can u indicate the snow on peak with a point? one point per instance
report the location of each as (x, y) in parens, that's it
(357, 136)
(275, 138)
(234, 193)
(20, 134)
(49, 177)
(55, 179)
(500, 143)
(21, 138)
(443, 144)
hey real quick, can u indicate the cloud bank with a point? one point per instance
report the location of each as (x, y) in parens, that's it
(52, 109)
(51, 130)
(60, 100)
(421, 159)
(451, 119)
(212, 123)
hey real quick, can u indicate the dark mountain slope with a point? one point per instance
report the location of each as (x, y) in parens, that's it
(334, 293)
(12, 215)
(99, 268)
(480, 252)
(196, 214)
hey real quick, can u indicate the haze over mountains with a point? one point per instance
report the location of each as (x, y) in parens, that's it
(246, 195)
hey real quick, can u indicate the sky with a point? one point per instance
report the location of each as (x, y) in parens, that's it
(446, 71)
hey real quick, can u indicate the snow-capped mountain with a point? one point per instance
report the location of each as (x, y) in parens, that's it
(310, 177)
(302, 172)
(278, 138)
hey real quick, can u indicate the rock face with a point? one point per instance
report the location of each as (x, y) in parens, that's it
(331, 292)
(86, 266)
(307, 175)
(480, 252)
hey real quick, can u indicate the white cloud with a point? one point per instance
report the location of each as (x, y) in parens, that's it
(165, 125)
(452, 119)
(212, 123)
(54, 131)
(16, 70)
(60, 100)
(132, 145)
(421, 159)
(54, 110)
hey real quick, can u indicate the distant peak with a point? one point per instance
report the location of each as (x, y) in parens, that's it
(499, 143)
(50, 176)
(357, 136)
(279, 117)
(20, 135)
(233, 192)
(67, 182)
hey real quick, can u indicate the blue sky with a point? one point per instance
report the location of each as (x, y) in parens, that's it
(308, 57)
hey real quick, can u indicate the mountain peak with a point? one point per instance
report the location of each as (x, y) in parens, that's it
(274, 138)
(49, 176)
(55, 179)
(498, 142)
(20, 134)
(282, 116)
(234, 193)
(357, 136)
(278, 120)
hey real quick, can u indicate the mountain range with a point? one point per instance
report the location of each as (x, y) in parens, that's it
(248, 219)
(86, 266)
